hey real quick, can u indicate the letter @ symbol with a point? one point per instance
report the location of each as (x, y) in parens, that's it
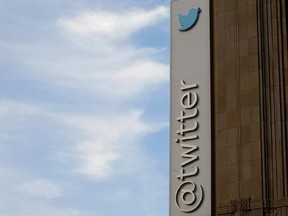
(189, 196)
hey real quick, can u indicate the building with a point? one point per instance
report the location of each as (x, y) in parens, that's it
(249, 96)
(250, 106)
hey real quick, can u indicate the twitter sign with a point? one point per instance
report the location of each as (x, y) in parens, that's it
(190, 111)
(187, 22)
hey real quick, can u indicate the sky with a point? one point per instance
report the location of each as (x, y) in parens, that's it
(84, 107)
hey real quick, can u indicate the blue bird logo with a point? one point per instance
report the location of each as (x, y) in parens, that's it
(188, 21)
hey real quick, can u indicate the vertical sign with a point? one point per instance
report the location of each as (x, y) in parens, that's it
(190, 133)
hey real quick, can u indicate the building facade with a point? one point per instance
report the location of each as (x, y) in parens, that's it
(249, 107)
(250, 96)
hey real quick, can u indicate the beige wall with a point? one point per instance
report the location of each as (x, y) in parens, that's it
(250, 79)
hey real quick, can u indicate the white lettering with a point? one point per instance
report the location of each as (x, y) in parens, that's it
(184, 175)
(187, 101)
(186, 154)
(183, 131)
(187, 87)
(186, 194)
(183, 117)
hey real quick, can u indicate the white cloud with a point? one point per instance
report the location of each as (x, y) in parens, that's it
(113, 24)
(111, 70)
(36, 208)
(118, 84)
(96, 160)
(30, 194)
(41, 188)
(110, 141)
(135, 79)
(39, 208)
(101, 143)
(80, 57)
(127, 81)
(17, 109)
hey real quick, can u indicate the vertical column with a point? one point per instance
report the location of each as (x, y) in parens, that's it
(190, 134)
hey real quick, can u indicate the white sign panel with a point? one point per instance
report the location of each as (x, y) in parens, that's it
(190, 133)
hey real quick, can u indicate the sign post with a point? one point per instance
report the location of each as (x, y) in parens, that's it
(190, 118)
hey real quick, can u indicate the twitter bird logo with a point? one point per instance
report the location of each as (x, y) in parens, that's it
(188, 21)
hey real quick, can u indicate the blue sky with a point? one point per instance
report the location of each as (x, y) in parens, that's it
(84, 93)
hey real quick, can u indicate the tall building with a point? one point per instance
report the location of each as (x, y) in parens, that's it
(250, 79)
(248, 99)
